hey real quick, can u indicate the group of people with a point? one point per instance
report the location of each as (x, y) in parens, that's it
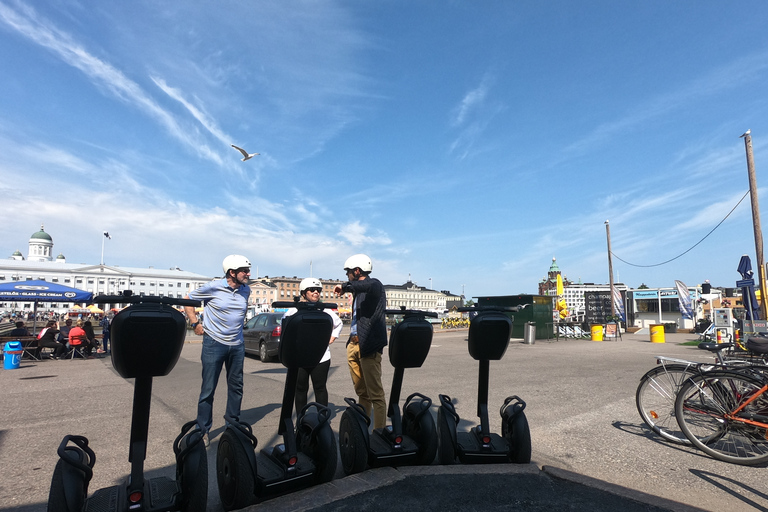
(225, 303)
(62, 338)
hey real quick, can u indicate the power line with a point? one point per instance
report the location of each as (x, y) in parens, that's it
(691, 248)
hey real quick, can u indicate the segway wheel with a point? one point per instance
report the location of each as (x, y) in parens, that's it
(233, 473)
(194, 475)
(69, 485)
(423, 431)
(352, 446)
(518, 436)
(446, 452)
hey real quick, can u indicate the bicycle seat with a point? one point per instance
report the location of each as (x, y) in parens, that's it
(758, 345)
(715, 347)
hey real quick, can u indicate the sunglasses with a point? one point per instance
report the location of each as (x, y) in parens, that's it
(318, 290)
(244, 270)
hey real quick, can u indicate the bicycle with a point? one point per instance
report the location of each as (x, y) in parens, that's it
(659, 386)
(724, 413)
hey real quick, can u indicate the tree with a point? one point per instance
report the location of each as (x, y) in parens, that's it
(469, 303)
(643, 287)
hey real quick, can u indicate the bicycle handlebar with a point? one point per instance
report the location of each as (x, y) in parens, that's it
(127, 296)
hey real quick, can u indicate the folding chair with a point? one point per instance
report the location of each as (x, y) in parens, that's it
(76, 348)
(31, 349)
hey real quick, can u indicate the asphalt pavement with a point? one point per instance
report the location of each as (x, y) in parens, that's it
(591, 451)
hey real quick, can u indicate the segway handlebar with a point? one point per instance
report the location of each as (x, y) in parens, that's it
(304, 305)
(410, 312)
(127, 296)
(503, 309)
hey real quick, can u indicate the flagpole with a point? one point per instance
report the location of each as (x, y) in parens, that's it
(102, 249)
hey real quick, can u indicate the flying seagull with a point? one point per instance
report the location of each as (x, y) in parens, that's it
(745, 133)
(246, 155)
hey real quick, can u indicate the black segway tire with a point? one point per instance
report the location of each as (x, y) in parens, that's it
(352, 445)
(423, 431)
(194, 476)
(325, 455)
(518, 437)
(446, 452)
(69, 485)
(234, 474)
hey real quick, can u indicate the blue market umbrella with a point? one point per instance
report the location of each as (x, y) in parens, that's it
(41, 291)
(748, 296)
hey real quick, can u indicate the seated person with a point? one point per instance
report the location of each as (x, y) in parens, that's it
(77, 333)
(88, 328)
(20, 330)
(47, 339)
(64, 332)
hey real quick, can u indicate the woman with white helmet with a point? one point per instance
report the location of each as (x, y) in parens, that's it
(310, 289)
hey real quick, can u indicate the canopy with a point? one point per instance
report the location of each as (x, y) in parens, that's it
(41, 291)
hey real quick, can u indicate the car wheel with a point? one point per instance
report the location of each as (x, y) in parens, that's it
(263, 352)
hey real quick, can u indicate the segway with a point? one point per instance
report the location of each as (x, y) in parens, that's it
(308, 454)
(147, 338)
(489, 333)
(411, 439)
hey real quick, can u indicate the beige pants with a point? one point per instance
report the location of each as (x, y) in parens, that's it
(366, 378)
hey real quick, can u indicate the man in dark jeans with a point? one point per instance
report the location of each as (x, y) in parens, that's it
(368, 335)
(105, 334)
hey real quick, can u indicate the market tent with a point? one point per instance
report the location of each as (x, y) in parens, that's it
(41, 291)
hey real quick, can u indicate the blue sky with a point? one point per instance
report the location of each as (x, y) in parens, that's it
(461, 143)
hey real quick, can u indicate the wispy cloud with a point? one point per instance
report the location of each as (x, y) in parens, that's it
(37, 29)
(472, 116)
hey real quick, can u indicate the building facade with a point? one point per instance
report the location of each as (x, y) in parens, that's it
(97, 279)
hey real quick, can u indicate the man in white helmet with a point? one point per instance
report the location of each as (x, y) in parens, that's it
(225, 302)
(310, 289)
(368, 335)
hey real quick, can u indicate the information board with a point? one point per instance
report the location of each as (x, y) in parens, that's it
(597, 306)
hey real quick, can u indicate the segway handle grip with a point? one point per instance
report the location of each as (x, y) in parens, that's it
(480, 309)
(305, 305)
(411, 312)
(128, 297)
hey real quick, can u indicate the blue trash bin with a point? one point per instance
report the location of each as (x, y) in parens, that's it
(12, 355)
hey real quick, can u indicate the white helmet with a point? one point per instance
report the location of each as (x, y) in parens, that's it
(360, 261)
(235, 261)
(309, 282)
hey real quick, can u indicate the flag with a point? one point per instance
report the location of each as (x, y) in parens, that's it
(684, 297)
(107, 235)
(618, 304)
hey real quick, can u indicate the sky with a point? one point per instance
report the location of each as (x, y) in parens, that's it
(460, 144)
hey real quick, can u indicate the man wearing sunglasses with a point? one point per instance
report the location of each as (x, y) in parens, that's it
(225, 302)
(368, 335)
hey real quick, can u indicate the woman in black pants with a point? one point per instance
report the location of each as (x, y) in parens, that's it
(310, 291)
(48, 339)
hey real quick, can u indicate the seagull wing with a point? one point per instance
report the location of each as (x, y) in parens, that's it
(244, 152)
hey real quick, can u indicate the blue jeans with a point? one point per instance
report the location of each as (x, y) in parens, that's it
(213, 356)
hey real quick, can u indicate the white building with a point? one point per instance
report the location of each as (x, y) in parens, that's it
(98, 279)
(413, 296)
(574, 296)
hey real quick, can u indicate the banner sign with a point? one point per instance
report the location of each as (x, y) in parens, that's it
(686, 307)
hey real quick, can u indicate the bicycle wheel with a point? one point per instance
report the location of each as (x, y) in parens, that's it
(725, 415)
(655, 399)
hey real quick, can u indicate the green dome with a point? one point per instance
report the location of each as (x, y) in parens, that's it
(17, 253)
(41, 235)
(60, 257)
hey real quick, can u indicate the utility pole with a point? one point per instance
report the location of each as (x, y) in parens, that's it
(610, 266)
(756, 223)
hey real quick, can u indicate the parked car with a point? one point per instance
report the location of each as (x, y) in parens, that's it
(262, 335)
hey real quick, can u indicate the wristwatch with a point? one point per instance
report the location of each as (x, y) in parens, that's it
(194, 325)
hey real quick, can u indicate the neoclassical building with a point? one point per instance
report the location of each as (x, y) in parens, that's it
(99, 279)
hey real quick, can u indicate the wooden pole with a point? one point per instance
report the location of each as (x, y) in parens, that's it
(756, 223)
(610, 266)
